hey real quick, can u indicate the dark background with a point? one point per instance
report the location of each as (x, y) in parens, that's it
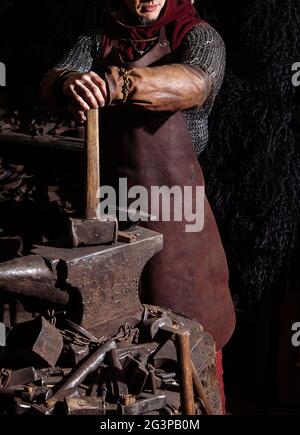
(252, 168)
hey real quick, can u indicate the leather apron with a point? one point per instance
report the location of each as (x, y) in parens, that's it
(190, 274)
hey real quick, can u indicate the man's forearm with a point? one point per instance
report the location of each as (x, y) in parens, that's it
(163, 88)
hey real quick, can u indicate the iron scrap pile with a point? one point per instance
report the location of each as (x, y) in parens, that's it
(51, 365)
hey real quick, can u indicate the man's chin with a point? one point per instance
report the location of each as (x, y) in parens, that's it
(146, 21)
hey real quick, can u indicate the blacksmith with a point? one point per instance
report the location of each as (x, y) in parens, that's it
(155, 68)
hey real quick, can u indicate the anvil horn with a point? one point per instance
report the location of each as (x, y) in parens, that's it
(30, 276)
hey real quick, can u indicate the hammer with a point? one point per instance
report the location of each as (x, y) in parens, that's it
(93, 230)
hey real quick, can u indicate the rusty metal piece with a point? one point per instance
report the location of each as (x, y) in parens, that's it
(78, 377)
(126, 237)
(166, 352)
(201, 392)
(153, 379)
(103, 391)
(60, 396)
(78, 353)
(144, 405)
(95, 406)
(36, 394)
(128, 400)
(44, 375)
(137, 350)
(51, 381)
(21, 407)
(136, 374)
(11, 393)
(4, 377)
(185, 365)
(89, 232)
(89, 406)
(48, 406)
(28, 394)
(120, 384)
(155, 324)
(97, 384)
(22, 377)
(35, 343)
(81, 331)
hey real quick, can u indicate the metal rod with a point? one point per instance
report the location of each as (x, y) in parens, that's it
(201, 392)
(79, 376)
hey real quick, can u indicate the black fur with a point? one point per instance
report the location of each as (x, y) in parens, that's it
(252, 163)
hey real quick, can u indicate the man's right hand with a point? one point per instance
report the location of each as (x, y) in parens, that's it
(87, 91)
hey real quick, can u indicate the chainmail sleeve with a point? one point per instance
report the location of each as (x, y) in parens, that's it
(203, 47)
(82, 55)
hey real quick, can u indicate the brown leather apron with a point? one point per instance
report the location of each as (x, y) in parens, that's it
(190, 275)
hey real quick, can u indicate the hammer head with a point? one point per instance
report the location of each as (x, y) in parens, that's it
(90, 232)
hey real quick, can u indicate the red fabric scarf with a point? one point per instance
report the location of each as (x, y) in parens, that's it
(178, 17)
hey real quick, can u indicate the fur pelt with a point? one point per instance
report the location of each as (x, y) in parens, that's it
(252, 164)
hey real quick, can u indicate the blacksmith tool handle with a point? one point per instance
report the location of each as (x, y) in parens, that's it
(92, 164)
(185, 365)
(78, 377)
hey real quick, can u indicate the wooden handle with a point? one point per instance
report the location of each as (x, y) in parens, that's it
(92, 163)
(185, 363)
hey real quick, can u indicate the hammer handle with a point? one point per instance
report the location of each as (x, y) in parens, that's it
(92, 164)
(185, 364)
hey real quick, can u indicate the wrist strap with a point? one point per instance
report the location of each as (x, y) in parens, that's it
(126, 83)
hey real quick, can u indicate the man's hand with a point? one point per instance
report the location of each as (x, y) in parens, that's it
(87, 90)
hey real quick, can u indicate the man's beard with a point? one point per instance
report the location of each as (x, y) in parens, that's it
(145, 21)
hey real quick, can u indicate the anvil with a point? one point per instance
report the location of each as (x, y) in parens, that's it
(97, 287)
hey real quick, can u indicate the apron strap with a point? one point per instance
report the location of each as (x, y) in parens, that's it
(160, 50)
